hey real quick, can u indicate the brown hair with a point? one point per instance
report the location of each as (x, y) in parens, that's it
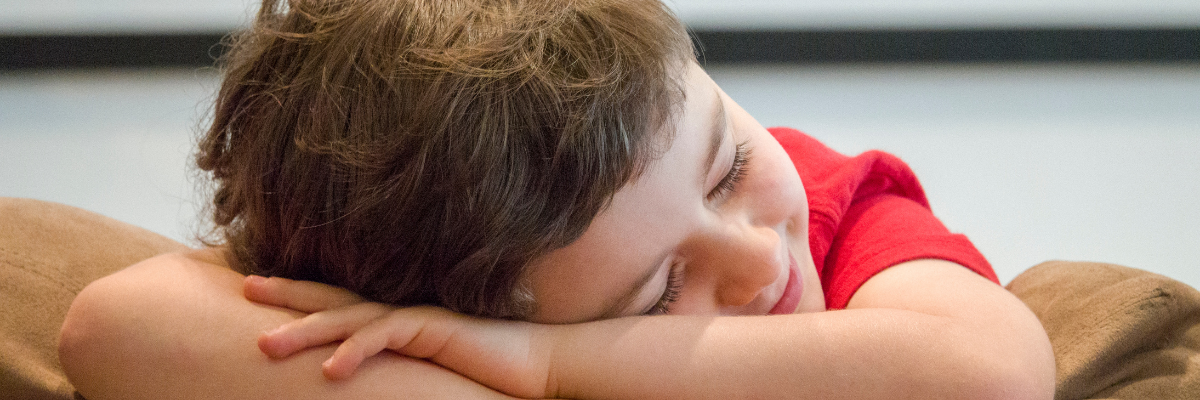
(424, 151)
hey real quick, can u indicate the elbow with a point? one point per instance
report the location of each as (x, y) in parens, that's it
(72, 341)
(83, 339)
(98, 341)
(1016, 383)
(1017, 375)
(1010, 362)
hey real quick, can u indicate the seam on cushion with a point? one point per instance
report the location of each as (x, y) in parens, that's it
(29, 264)
(1105, 323)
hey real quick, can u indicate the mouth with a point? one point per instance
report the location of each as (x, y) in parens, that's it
(791, 293)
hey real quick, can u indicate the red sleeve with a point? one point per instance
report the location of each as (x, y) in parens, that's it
(885, 230)
(868, 213)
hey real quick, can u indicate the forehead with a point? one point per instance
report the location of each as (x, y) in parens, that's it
(645, 220)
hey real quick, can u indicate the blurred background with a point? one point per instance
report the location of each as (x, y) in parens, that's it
(1050, 129)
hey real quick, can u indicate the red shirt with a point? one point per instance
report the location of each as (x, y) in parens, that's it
(868, 213)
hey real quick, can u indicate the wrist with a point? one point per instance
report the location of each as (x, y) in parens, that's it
(600, 359)
(551, 346)
(566, 345)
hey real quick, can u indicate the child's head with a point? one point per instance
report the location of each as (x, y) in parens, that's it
(489, 155)
(424, 151)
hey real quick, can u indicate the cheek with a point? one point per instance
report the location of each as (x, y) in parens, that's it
(813, 299)
(774, 187)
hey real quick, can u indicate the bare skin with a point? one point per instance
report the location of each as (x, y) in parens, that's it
(178, 326)
(951, 348)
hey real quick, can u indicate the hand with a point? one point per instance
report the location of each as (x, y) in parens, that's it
(303, 296)
(511, 357)
(308, 298)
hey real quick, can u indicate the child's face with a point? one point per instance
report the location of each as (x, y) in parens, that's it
(690, 235)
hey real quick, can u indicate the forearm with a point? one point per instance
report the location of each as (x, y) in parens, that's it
(182, 330)
(994, 350)
(857, 354)
(920, 330)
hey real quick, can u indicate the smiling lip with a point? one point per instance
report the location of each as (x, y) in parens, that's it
(791, 293)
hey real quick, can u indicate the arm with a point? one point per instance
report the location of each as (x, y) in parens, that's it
(178, 327)
(922, 329)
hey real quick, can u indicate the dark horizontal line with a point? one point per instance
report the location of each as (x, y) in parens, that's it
(55, 51)
(960, 45)
(109, 50)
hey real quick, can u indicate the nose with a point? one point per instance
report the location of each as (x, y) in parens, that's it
(732, 265)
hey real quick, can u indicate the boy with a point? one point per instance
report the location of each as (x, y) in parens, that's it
(564, 163)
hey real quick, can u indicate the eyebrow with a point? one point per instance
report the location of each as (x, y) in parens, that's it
(716, 138)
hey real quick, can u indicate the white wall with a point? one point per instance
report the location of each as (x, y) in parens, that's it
(191, 15)
(56, 16)
(1031, 162)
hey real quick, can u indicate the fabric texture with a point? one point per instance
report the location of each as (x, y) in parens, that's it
(48, 253)
(1117, 332)
(867, 213)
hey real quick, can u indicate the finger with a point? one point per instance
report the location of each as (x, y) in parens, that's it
(345, 361)
(319, 329)
(392, 332)
(303, 296)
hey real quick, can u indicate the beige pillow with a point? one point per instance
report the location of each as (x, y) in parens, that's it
(1117, 332)
(48, 253)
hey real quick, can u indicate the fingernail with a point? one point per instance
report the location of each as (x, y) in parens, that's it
(255, 279)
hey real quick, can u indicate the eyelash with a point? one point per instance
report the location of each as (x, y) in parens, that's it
(726, 186)
(737, 171)
(674, 286)
(741, 157)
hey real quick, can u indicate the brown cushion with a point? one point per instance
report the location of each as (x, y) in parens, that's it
(1117, 332)
(48, 253)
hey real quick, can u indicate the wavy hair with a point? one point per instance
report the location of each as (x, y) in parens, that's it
(424, 151)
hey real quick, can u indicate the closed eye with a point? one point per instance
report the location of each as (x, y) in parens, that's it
(737, 171)
(671, 293)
